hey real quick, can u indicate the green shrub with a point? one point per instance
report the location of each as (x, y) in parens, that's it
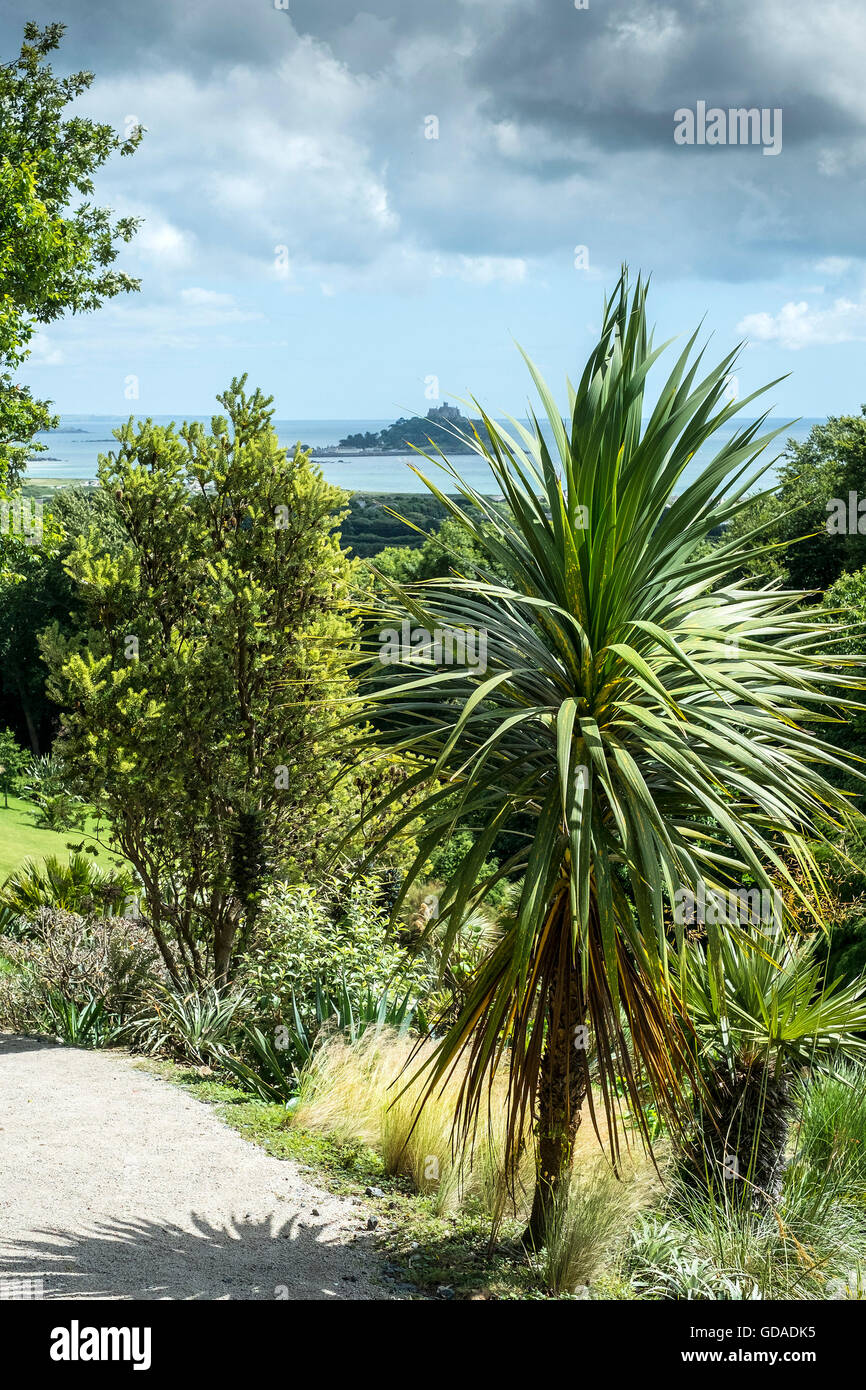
(76, 959)
(44, 776)
(87, 1025)
(270, 1064)
(193, 1026)
(46, 782)
(261, 1065)
(304, 944)
(76, 885)
(61, 812)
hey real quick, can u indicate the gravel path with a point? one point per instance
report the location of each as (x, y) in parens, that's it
(115, 1184)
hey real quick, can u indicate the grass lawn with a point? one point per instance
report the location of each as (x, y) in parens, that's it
(21, 838)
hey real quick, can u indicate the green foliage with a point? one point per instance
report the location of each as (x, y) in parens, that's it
(194, 1026)
(45, 776)
(53, 258)
(13, 763)
(61, 812)
(36, 591)
(74, 885)
(448, 550)
(845, 602)
(796, 514)
(46, 783)
(197, 697)
(81, 1025)
(848, 948)
(307, 946)
(267, 1070)
(448, 856)
(376, 520)
(453, 964)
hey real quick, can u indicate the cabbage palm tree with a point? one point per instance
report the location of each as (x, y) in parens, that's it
(641, 723)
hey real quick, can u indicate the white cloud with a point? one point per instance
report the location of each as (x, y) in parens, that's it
(483, 270)
(43, 353)
(797, 326)
(833, 265)
(160, 242)
(249, 158)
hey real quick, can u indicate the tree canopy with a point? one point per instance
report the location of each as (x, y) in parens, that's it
(57, 248)
(195, 695)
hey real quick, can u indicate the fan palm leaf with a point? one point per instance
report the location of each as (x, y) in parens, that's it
(778, 1011)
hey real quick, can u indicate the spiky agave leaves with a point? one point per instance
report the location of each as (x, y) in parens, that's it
(641, 726)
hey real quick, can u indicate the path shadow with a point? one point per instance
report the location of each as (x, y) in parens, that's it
(141, 1259)
(11, 1043)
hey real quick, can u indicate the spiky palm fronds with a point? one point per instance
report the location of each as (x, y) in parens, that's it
(775, 1001)
(776, 1012)
(642, 722)
(75, 884)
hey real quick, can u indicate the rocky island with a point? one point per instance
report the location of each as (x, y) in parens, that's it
(443, 425)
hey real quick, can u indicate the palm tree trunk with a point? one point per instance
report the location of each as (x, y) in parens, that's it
(742, 1136)
(561, 1093)
(768, 1111)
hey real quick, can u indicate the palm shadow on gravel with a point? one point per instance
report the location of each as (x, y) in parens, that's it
(10, 1043)
(139, 1259)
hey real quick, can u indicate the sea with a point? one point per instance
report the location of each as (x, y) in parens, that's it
(73, 450)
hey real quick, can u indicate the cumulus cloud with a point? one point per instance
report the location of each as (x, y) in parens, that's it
(162, 244)
(304, 126)
(43, 353)
(796, 325)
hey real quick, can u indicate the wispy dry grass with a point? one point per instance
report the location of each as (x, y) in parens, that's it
(366, 1092)
(592, 1221)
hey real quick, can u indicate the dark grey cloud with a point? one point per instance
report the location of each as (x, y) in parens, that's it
(617, 71)
(305, 126)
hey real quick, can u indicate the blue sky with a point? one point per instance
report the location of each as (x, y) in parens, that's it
(407, 258)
